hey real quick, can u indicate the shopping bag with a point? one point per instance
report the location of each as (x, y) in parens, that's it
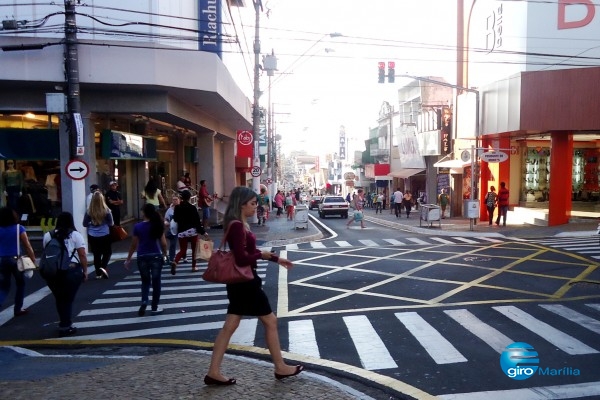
(204, 249)
(117, 233)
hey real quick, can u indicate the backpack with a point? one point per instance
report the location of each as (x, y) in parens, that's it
(55, 257)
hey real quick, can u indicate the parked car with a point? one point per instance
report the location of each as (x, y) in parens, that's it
(314, 202)
(333, 205)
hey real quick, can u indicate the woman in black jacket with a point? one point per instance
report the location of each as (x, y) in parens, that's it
(188, 226)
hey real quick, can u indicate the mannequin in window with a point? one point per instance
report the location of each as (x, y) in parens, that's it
(12, 179)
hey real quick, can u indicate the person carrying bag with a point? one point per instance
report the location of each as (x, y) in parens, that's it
(9, 252)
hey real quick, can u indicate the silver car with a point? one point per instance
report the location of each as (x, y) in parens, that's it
(333, 205)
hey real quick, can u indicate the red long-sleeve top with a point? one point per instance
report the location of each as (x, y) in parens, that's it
(242, 243)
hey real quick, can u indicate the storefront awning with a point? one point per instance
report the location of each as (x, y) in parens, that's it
(453, 164)
(405, 172)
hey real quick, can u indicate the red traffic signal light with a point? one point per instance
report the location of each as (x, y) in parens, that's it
(381, 72)
(391, 72)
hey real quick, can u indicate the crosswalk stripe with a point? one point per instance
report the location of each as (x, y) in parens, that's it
(245, 333)
(292, 246)
(317, 245)
(120, 310)
(594, 306)
(491, 239)
(149, 331)
(442, 240)
(565, 342)
(148, 318)
(372, 352)
(490, 335)
(462, 239)
(417, 240)
(394, 242)
(343, 243)
(137, 299)
(440, 349)
(572, 315)
(166, 288)
(302, 338)
(368, 243)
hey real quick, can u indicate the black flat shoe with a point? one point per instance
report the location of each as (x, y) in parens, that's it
(173, 268)
(212, 381)
(299, 368)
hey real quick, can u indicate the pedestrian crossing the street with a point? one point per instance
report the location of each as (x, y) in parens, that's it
(588, 246)
(192, 305)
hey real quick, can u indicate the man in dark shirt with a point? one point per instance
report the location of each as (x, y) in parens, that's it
(114, 201)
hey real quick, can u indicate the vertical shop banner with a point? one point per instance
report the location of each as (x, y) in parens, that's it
(245, 144)
(262, 136)
(209, 27)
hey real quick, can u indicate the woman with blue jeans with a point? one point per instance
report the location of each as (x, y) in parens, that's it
(149, 239)
(65, 284)
(10, 232)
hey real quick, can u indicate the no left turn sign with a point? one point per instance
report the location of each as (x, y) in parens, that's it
(77, 169)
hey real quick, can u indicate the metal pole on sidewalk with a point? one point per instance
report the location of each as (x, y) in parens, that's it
(255, 105)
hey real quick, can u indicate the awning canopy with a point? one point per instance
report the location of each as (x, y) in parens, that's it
(405, 172)
(453, 164)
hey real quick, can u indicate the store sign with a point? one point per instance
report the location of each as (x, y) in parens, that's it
(245, 143)
(349, 176)
(209, 27)
(493, 156)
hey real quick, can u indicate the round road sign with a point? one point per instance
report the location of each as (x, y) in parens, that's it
(77, 169)
(256, 171)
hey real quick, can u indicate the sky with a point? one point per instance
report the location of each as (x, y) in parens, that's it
(325, 82)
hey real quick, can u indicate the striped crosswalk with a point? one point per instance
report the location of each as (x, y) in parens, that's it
(192, 305)
(588, 246)
(380, 242)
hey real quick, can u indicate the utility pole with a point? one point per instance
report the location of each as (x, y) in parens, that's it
(256, 106)
(72, 127)
(72, 77)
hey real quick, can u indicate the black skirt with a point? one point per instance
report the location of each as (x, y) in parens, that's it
(248, 298)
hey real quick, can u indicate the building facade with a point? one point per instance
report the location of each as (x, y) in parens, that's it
(152, 105)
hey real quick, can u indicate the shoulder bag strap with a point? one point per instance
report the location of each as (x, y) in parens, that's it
(224, 240)
(18, 242)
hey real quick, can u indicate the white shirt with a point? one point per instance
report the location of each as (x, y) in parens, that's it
(73, 242)
(398, 196)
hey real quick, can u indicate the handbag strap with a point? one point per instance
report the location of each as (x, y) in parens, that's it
(18, 242)
(224, 240)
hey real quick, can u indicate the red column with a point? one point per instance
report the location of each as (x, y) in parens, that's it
(561, 175)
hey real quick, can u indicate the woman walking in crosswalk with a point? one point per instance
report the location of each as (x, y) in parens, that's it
(247, 298)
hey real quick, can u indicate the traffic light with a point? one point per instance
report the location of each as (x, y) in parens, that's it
(391, 71)
(381, 72)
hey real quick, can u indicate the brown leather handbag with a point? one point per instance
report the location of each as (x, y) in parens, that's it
(222, 267)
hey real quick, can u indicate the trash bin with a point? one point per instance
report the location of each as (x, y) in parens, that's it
(301, 216)
(430, 213)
